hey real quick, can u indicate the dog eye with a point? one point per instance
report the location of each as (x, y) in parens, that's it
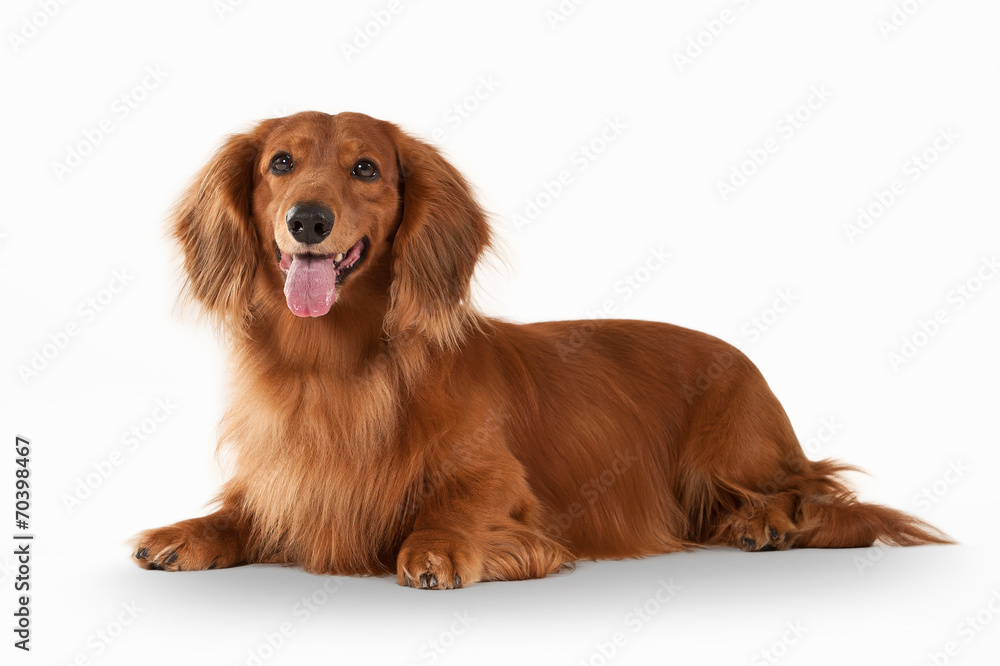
(365, 169)
(281, 163)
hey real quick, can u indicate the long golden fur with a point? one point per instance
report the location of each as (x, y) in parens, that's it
(402, 431)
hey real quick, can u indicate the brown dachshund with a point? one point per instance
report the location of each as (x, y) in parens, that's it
(379, 423)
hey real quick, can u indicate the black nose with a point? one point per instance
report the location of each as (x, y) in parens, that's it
(309, 223)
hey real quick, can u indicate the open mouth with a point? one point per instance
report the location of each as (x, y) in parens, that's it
(311, 280)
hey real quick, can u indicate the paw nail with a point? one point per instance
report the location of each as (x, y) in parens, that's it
(458, 581)
(171, 558)
(748, 543)
(141, 553)
(773, 533)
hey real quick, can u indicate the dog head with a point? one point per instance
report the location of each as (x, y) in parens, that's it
(311, 207)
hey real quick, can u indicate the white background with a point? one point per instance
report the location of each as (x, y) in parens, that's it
(687, 126)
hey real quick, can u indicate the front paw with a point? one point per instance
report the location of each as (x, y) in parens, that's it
(190, 545)
(434, 560)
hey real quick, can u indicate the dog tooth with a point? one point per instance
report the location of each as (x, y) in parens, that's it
(339, 257)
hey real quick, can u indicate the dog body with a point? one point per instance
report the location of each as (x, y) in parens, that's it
(380, 424)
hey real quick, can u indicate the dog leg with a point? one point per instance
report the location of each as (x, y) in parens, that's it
(442, 559)
(478, 527)
(215, 541)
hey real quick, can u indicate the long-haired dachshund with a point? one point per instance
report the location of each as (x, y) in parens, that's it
(380, 423)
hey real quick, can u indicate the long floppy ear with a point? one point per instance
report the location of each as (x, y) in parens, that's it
(213, 225)
(440, 237)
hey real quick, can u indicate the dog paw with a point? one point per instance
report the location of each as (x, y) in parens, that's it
(761, 529)
(190, 545)
(428, 563)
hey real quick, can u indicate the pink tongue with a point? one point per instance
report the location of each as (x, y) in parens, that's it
(311, 285)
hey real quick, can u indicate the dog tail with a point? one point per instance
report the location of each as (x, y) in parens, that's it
(834, 518)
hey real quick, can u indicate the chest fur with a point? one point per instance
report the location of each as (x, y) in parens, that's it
(321, 472)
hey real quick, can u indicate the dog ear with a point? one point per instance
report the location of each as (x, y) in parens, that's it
(442, 232)
(213, 225)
